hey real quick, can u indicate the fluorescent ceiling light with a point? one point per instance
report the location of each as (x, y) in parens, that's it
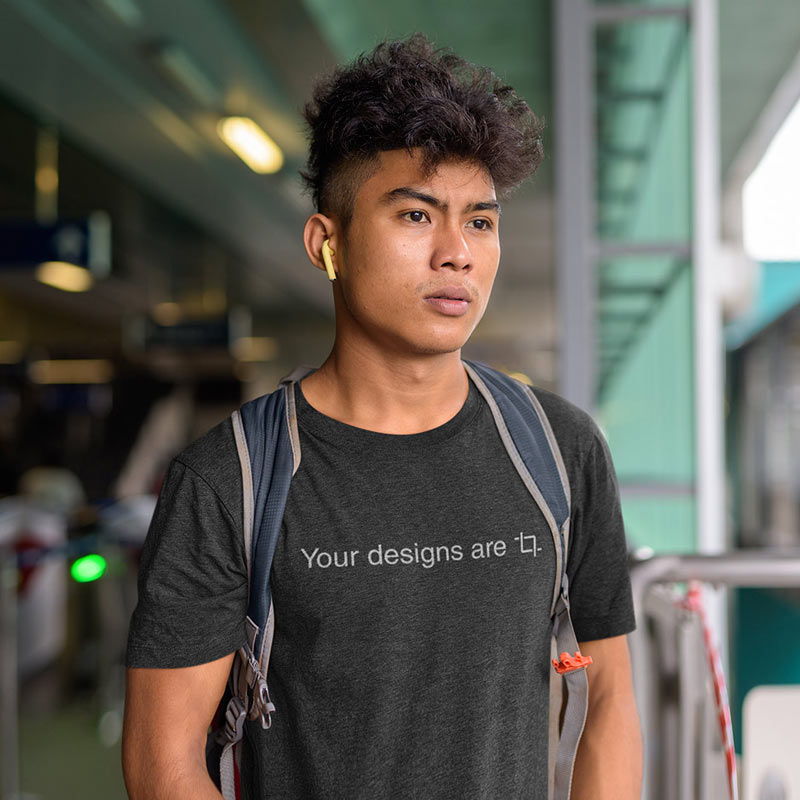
(251, 144)
(65, 276)
(47, 179)
(90, 370)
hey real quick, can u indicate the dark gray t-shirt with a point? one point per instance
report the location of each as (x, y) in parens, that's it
(411, 584)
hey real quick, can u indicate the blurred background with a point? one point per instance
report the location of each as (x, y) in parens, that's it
(152, 278)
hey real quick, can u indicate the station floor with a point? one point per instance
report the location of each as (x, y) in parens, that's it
(63, 757)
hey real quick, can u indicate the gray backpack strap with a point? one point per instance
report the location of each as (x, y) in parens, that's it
(247, 487)
(573, 671)
(532, 448)
(529, 440)
(268, 446)
(566, 642)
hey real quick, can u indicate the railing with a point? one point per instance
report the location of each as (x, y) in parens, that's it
(670, 683)
(113, 604)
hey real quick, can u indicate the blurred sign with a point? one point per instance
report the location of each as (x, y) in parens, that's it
(220, 331)
(84, 242)
(189, 334)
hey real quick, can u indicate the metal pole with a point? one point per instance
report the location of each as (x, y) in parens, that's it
(575, 228)
(708, 344)
(707, 312)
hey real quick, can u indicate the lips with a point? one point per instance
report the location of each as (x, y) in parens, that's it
(452, 301)
(450, 293)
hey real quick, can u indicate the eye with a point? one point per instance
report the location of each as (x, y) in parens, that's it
(481, 224)
(415, 216)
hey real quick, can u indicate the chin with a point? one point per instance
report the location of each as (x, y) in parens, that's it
(438, 346)
(441, 341)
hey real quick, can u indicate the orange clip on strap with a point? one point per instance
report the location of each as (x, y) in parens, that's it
(567, 663)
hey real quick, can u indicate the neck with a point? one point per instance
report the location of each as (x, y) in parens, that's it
(388, 392)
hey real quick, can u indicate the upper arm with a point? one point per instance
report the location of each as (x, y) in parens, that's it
(167, 714)
(609, 759)
(609, 674)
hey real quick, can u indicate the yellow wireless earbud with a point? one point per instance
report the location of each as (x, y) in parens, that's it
(326, 257)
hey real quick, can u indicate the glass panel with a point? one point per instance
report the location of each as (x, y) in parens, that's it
(643, 177)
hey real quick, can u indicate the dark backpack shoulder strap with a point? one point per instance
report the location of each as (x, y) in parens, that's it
(529, 440)
(269, 424)
(532, 447)
(268, 444)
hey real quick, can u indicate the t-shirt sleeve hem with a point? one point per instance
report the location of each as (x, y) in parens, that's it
(142, 655)
(589, 630)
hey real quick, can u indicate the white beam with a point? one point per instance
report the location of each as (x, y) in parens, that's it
(708, 347)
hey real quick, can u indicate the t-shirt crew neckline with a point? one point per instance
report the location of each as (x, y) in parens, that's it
(340, 433)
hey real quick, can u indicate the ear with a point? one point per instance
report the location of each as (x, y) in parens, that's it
(318, 228)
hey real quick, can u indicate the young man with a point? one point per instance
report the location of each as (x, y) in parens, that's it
(424, 673)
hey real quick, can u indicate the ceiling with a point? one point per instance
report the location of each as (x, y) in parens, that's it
(91, 69)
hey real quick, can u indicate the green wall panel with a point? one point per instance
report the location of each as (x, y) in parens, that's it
(665, 524)
(646, 399)
(647, 416)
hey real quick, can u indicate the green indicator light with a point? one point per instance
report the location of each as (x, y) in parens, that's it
(88, 568)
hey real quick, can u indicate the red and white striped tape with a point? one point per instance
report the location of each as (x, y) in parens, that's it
(694, 602)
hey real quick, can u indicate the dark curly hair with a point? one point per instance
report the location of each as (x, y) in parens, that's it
(407, 94)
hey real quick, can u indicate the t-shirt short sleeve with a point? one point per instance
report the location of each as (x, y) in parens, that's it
(601, 604)
(193, 577)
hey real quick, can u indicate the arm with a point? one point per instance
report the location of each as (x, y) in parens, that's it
(167, 714)
(609, 762)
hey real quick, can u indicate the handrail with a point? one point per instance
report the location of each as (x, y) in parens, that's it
(762, 568)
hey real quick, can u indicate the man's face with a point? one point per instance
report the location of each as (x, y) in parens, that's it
(420, 255)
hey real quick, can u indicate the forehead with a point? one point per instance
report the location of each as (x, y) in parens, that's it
(393, 169)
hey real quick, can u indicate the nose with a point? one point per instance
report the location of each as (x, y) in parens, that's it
(452, 251)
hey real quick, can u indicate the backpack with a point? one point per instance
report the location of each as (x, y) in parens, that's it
(268, 444)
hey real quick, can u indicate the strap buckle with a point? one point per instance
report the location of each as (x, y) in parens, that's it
(567, 663)
(261, 702)
(234, 719)
(253, 686)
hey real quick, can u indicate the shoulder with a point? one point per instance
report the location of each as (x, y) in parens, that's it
(587, 460)
(204, 455)
(577, 434)
(214, 460)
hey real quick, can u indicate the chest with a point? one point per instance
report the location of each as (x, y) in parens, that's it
(413, 543)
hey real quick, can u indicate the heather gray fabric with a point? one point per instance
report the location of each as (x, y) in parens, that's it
(411, 584)
(192, 575)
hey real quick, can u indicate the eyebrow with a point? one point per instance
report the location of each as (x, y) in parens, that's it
(407, 193)
(486, 205)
